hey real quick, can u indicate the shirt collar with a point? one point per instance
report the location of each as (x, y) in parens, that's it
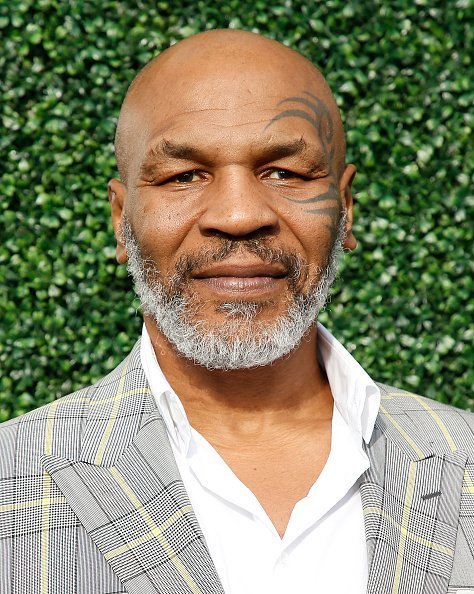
(169, 405)
(356, 396)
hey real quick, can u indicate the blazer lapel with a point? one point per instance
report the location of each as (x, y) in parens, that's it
(126, 491)
(411, 498)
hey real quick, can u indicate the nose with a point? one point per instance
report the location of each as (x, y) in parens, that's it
(237, 205)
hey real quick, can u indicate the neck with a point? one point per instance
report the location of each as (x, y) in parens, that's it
(246, 402)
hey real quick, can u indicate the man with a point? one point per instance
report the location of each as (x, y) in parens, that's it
(239, 448)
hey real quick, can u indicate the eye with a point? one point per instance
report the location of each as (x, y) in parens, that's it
(186, 177)
(284, 174)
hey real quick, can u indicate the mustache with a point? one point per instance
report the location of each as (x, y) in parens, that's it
(188, 264)
(296, 269)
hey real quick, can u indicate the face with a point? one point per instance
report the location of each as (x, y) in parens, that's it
(234, 211)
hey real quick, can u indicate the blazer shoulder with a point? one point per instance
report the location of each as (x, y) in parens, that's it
(56, 407)
(446, 427)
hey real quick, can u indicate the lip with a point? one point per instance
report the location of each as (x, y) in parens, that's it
(249, 279)
(242, 285)
(242, 270)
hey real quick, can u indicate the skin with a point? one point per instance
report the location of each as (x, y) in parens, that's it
(228, 135)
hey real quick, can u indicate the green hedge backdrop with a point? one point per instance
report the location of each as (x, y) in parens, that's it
(402, 73)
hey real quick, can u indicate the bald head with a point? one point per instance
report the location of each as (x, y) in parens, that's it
(219, 70)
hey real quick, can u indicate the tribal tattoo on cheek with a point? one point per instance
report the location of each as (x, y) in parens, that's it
(321, 119)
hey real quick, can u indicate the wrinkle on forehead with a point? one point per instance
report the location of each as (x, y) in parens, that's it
(214, 72)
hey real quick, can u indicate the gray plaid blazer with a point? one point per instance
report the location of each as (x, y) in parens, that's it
(91, 501)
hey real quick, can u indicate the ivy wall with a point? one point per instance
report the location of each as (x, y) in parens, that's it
(402, 72)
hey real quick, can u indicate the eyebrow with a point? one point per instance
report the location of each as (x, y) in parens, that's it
(312, 154)
(266, 152)
(273, 152)
(166, 149)
(178, 151)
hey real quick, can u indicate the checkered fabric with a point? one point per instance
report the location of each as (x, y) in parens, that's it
(91, 501)
(418, 497)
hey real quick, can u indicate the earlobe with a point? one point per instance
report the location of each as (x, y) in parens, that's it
(345, 187)
(117, 195)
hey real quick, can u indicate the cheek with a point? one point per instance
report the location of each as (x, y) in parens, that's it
(314, 233)
(161, 231)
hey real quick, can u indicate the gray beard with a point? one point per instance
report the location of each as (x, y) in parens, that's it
(240, 341)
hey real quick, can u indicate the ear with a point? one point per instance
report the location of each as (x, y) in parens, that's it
(345, 185)
(117, 194)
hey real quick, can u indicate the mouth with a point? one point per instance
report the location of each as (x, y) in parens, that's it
(241, 279)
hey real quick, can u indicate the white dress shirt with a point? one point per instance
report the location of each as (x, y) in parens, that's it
(324, 548)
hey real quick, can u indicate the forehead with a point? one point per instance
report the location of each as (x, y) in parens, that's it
(218, 109)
